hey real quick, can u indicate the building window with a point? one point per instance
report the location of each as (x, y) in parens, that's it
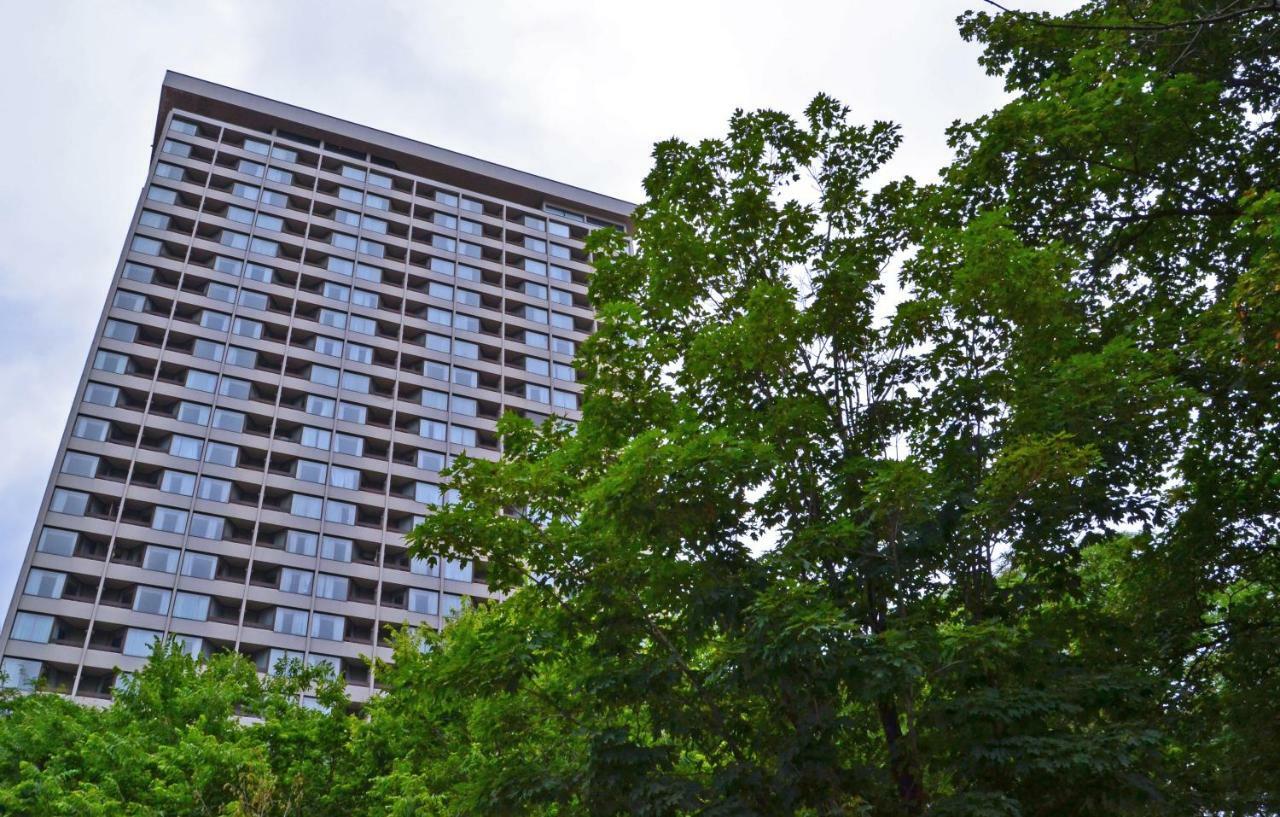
(426, 602)
(215, 490)
(80, 465)
(72, 503)
(327, 627)
(207, 527)
(91, 428)
(57, 541)
(458, 571)
(336, 548)
(315, 438)
(186, 447)
(306, 506)
(151, 600)
(222, 454)
(138, 642)
(45, 583)
(348, 478)
(162, 559)
(291, 622)
(191, 606)
(169, 520)
(178, 482)
(342, 513)
(331, 587)
(32, 627)
(295, 581)
(199, 565)
(300, 542)
(101, 394)
(113, 362)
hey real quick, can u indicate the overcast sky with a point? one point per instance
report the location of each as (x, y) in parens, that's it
(577, 91)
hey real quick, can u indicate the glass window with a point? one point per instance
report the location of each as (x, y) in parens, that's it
(240, 214)
(178, 482)
(442, 317)
(113, 362)
(219, 321)
(215, 490)
(336, 292)
(191, 606)
(323, 375)
(379, 180)
(463, 405)
(247, 328)
(365, 326)
(365, 298)
(561, 274)
(343, 241)
(20, 673)
(327, 627)
(292, 622)
(222, 454)
(159, 558)
(199, 565)
(197, 413)
(331, 587)
(228, 265)
(130, 301)
(565, 399)
(457, 570)
(187, 447)
(258, 272)
(151, 600)
(431, 461)
(424, 567)
(295, 581)
(564, 372)
(466, 377)
(537, 366)
(535, 267)
(176, 148)
(246, 191)
(452, 605)
(101, 394)
(440, 265)
(538, 394)
(348, 478)
(432, 429)
(352, 381)
(32, 627)
(138, 272)
(254, 146)
(426, 493)
(535, 244)
(444, 243)
(262, 246)
(80, 465)
(558, 251)
(304, 505)
(338, 320)
(342, 513)
(561, 320)
(157, 221)
(469, 273)
(57, 541)
(360, 354)
(72, 503)
(467, 349)
(442, 291)
(300, 542)
(315, 438)
(250, 168)
(471, 227)
(235, 388)
(561, 296)
(310, 471)
(535, 223)
(138, 642)
(206, 349)
(328, 346)
(204, 526)
(45, 583)
(170, 520)
(536, 339)
(563, 347)
(253, 300)
(353, 173)
(535, 290)
(336, 548)
(341, 266)
(91, 428)
(561, 230)
(535, 314)
(230, 238)
(319, 406)
(447, 199)
(374, 225)
(435, 399)
(162, 194)
(348, 194)
(201, 381)
(353, 413)
(275, 198)
(228, 420)
(461, 435)
(436, 371)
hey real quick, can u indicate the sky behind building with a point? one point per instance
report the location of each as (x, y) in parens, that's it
(574, 91)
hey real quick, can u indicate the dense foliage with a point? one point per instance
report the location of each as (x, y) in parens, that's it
(950, 498)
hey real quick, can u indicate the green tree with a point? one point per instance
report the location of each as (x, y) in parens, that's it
(957, 498)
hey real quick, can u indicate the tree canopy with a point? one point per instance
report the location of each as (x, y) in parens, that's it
(888, 498)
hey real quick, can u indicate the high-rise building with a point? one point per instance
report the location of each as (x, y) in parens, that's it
(308, 319)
